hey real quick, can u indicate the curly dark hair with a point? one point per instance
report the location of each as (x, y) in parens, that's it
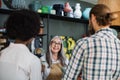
(22, 24)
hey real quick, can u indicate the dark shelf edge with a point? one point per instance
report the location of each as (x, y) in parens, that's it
(6, 11)
(117, 27)
(40, 35)
(68, 19)
(65, 18)
(50, 16)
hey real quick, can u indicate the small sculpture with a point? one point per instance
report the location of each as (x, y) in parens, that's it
(77, 12)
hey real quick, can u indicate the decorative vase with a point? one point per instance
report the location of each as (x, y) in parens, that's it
(35, 5)
(18, 4)
(77, 13)
(86, 13)
(67, 7)
(59, 9)
(68, 11)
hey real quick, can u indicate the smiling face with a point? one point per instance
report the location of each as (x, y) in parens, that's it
(56, 45)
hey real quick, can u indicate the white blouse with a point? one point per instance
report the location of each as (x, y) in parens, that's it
(27, 65)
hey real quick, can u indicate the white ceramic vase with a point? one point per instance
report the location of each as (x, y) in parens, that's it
(77, 12)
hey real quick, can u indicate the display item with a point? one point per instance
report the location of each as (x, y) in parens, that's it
(68, 11)
(77, 12)
(18, 4)
(86, 13)
(59, 9)
(35, 5)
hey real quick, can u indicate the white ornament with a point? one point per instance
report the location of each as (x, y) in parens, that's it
(77, 12)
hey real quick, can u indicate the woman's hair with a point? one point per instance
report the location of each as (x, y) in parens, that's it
(61, 54)
(103, 14)
(22, 24)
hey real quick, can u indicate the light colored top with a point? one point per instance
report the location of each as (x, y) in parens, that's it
(96, 57)
(22, 61)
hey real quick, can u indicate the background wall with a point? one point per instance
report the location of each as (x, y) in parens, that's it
(58, 27)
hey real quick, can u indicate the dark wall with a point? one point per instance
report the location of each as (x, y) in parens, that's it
(58, 27)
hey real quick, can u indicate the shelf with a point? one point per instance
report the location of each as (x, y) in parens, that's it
(65, 18)
(6, 11)
(41, 35)
(50, 16)
(115, 27)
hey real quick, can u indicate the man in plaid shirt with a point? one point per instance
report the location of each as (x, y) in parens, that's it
(96, 57)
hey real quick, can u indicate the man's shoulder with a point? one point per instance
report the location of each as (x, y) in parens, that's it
(83, 39)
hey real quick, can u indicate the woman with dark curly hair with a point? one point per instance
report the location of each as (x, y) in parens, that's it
(22, 26)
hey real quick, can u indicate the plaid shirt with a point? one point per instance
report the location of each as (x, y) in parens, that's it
(96, 57)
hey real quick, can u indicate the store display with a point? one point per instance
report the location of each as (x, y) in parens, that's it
(69, 44)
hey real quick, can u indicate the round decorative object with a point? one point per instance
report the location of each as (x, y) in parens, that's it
(86, 13)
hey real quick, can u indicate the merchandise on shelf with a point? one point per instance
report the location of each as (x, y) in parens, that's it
(85, 13)
(69, 44)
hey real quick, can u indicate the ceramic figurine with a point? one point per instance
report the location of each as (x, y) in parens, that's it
(77, 12)
(67, 7)
(70, 14)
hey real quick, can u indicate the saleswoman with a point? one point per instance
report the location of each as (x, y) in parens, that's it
(55, 60)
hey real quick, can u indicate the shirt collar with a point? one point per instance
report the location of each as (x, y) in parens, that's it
(104, 30)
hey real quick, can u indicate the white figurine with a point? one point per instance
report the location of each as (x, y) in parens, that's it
(77, 12)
